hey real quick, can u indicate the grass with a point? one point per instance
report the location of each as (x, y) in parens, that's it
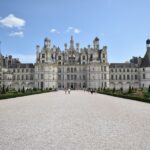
(138, 95)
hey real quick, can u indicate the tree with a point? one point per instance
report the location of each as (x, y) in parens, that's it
(23, 90)
(121, 89)
(7, 89)
(130, 90)
(114, 90)
(3, 89)
(149, 89)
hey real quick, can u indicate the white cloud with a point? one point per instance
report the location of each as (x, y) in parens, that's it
(16, 34)
(54, 31)
(77, 31)
(73, 29)
(25, 58)
(12, 22)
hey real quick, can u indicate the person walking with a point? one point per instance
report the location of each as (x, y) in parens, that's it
(69, 91)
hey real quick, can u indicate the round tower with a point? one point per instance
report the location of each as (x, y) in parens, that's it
(96, 43)
(148, 43)
(47, 43)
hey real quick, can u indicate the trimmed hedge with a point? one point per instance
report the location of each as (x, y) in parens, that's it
(16, 94)
(141, 99)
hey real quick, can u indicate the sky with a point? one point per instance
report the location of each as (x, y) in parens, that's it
(122, 25)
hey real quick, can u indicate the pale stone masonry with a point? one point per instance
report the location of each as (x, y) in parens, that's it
(75, 68)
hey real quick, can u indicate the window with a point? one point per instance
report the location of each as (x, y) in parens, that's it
(124, 77)
(59, 77)
(31, 77)
(75, 69)
(71, 69)
(83, 77)
(68, 77)
(42, 76)
(43, 55)
(83, 57)
(75, 77)
(59, 57)
(120, 77)
(26, 77)
(136, 77)
(68, 69)
(112, 77)
(105, 76)
(59, 70)
(103, 55)
(116, 77)
(128, 77)
(143, 69)
(18, 77)
(119, 70)
(43, 61)
(127, 70)
(143, 76)
(71, 77)
(105, 68)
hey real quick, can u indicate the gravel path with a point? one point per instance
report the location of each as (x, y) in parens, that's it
(79, 121)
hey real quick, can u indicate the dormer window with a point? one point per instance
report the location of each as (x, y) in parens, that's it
(83, 57)
(59, 57)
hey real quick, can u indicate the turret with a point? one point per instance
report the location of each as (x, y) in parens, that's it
(47, 43)
(65, 45)
(96, 43)
(37, 52)
(148, 43)
(77, 47)
(72, 43)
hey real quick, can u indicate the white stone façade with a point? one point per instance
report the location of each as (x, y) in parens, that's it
(75, 68)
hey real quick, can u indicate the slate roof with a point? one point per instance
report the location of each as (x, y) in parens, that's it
(24, 65)
(123, 65)
(146, 59)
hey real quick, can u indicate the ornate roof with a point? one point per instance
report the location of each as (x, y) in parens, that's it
(146, 59)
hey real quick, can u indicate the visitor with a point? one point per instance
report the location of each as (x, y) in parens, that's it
(69, 91)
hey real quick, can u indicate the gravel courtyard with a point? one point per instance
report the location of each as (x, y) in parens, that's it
(79, 121)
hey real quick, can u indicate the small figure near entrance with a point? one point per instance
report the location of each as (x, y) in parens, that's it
(69, 91)
(65, 90)
(92, 91)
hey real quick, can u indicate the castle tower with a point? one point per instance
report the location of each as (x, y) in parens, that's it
(96, 43)
(71, 43)
(37, 52)
(47, 43)
(77, 47)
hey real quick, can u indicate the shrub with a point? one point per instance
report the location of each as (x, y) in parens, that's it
(114, 90)
(3, 89)
(130, 90)
(23, 90)
(149, 89)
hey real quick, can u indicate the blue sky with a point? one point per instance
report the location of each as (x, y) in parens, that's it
(122, 25)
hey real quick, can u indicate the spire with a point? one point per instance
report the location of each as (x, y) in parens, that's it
(0, 49)
(71, 43)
